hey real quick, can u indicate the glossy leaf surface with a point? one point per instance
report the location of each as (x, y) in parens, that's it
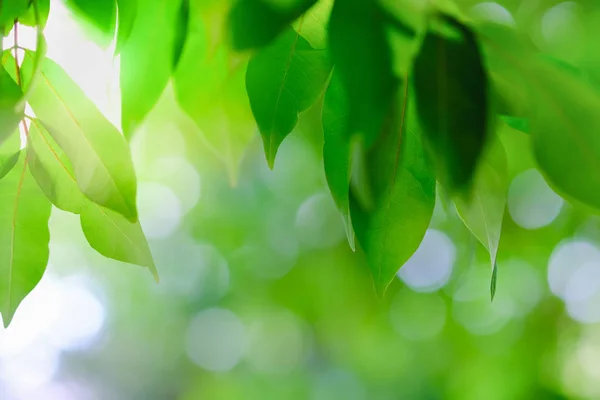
(403, 187)
(283, 80)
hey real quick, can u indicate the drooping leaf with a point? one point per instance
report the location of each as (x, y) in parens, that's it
(452, 103)
(494, 281)
(11, 106)
(98, 152)
(283, 80)
(336, 150)
(256, 23)
(109, 233)
(29, 18)
(52, 170)
(403, 185)
(113, 236)
(101, 14)
(24, 237)
(484, 213)
(146, 69)
(362, 55)
(10, 150)
(213, 93)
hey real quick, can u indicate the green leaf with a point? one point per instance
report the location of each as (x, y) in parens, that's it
(336, 150)
(113, 236)
(564, 128)
(562, 111)
(181, 31)
(493, 281)
(30, 18)
(256, 23)
(24, 237)
(52, 170)
(452, 103)
(126, 13)
(484, 213)
(11, 105)
(403, 186)
(283, 80)
(213, 94)
(109, 233)
(10, 150)
(362, 55)
(99, 154)
(312, 26)
(11, 10)
(101, 14)
(146, 69)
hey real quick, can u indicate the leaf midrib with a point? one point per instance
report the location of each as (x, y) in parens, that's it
(76, 122)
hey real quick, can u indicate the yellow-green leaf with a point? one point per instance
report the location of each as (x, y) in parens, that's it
(24, 237)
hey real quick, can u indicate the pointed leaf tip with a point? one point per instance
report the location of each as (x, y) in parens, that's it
(493, 282)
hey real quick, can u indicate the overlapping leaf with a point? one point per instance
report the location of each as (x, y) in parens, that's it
(211, 90)
(283, 80)
(451, 89)
(403, 187)
(336, 150)
(11, 106)
(256, 23)
(9, 152)
(147, 58)
(99, 154)
(362, 56)
(101, 14)
(24, 237)
(109, 233)
(484, 213)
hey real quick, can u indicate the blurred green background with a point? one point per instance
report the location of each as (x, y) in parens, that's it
(260, 296)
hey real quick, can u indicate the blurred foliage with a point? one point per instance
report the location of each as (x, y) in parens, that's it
(449, 138)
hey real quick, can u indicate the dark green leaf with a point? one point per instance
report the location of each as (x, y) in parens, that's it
(256, 23)
(484, 213)
(493, 281)
(336, 150)
(452, 103)
(362, 55)
(52, 170)
(181, 31)
(146, 69)
(99, 154)
(111, 235)
(403, 187)
(283, 80)
(24, 237)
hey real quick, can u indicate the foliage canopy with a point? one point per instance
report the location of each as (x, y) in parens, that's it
(413, 98)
